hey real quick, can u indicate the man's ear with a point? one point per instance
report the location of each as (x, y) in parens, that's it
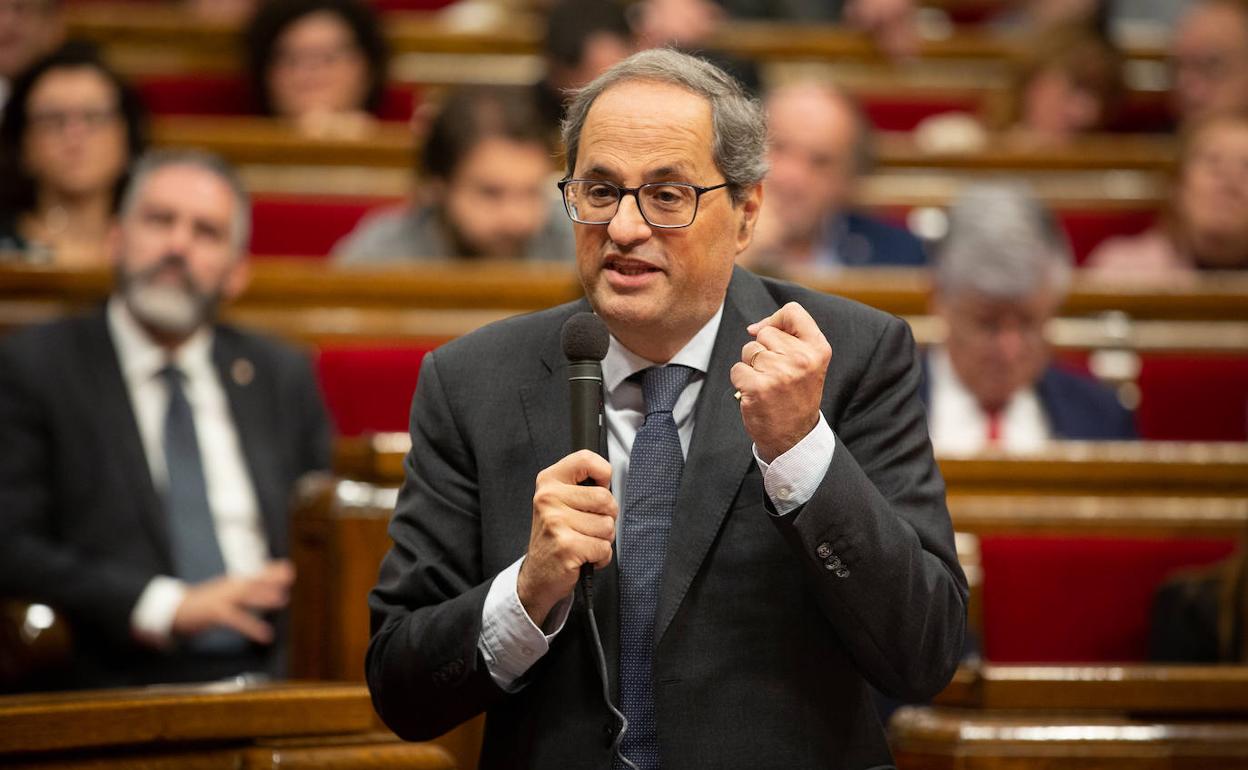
(237, 280)
(749, 209)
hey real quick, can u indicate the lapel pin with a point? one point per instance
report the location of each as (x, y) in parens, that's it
(242, 371)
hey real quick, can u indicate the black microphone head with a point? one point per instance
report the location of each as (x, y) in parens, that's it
(585, 338)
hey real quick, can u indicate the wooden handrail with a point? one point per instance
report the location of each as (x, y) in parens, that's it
(1136, 688)
(76, 720)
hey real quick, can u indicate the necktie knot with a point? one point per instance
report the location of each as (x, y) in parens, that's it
(661, 386)
(173, 376)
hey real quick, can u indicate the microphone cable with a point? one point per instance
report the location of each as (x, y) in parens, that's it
(586, 586)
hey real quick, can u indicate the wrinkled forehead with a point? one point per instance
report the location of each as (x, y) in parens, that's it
(641, 127)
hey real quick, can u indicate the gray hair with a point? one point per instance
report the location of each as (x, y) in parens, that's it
(1002, 242)
(155, 160)
(739, 128)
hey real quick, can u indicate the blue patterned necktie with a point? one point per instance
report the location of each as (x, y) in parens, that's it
(192, 532)
(654, 468)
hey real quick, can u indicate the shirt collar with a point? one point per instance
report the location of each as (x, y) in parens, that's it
(141, 358)
(621, 363)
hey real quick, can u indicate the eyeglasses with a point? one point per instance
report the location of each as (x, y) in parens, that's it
(666, 205)
(56, 121)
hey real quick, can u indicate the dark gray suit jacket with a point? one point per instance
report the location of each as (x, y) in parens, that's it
(82, 526)
(763, 651)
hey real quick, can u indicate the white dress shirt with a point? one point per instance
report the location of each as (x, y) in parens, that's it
(231, 496)
(959, 426)
(510, 642)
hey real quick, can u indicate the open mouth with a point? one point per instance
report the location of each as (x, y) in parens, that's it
(630, 267)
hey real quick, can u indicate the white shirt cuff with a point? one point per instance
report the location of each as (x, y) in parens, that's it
(510, 641)
(151, 620)
(792, 478)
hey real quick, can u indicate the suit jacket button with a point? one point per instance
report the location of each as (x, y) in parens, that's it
(823, 551)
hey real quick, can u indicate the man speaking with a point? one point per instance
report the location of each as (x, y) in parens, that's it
(766, 522)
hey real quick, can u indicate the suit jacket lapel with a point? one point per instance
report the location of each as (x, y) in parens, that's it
(244, 388)
(720, 453)
(119, 423)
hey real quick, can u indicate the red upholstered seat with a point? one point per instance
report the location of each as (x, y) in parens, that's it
(1194, 398)
(229, 94)
(1072, 599)
(369, 389)
(198, 94)
(891, 112)
(306, 225)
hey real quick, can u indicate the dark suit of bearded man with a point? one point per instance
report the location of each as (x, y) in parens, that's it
(83, 526)
(806, 548)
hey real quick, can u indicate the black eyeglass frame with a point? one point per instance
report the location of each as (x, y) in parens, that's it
(634, 191)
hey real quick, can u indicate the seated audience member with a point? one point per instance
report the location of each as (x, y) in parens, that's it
(1209, 57)
(1205, 225)
(28, 29)
(488, 168)
(1000, 275)
(688, 25)
(150, 452)
(320, 63)
(1070, 84)
(819, 145)
(1201, 615)
(67, 138)
(583, 38)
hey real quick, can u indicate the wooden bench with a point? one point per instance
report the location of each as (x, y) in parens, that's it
(227, 726)
(1080, 718)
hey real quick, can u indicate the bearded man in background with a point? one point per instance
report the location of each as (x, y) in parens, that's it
(150, 452)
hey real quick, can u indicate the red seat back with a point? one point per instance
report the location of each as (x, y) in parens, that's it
(369, 389)
(1194, 398)
(1076, 599)
(305, 225)
(229, 94)
(891, 112)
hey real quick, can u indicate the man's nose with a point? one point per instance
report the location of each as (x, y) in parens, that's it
(628, 227)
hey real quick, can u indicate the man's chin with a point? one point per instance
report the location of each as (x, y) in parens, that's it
(167, 312)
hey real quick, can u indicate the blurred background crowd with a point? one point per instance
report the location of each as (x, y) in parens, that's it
(1002, 155)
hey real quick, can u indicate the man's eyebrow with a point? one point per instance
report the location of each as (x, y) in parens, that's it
(667, 172)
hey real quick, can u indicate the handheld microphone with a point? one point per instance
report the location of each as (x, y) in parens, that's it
(585, 340)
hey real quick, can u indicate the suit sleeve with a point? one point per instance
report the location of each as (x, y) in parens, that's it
(876, 537)
(423, 666)
(34, 563)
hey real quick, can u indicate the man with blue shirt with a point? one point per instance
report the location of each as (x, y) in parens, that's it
(819, 146)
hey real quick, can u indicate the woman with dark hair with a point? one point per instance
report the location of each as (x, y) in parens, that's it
(70, 130)
(321, 63)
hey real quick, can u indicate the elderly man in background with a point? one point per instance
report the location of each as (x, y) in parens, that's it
(819, 147)
(1001, 274)
(150, 453)
(28, 30)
